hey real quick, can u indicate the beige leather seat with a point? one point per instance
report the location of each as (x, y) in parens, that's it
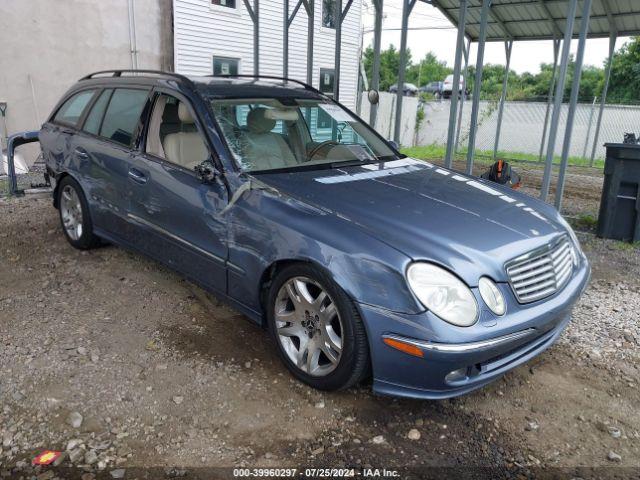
(185, 148)
(265, 149)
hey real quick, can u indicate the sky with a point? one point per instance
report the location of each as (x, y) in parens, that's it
(441, 39)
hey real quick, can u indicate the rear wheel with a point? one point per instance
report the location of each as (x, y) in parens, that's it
(74, 215)
(318, 331)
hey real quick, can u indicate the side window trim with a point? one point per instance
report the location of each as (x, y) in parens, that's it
(76, 126)
(85, 115)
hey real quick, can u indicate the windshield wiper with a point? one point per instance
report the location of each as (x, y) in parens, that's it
(352, 163)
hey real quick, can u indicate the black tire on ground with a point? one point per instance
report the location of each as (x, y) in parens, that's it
(354, 363)
(87, 239)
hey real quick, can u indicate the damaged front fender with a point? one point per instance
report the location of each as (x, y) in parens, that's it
(267, 229)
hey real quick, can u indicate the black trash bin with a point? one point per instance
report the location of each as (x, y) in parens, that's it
(619, 217)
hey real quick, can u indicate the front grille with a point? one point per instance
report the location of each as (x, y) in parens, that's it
(542, 272)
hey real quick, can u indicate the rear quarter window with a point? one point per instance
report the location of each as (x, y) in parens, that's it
(123, 114)
(71, 111)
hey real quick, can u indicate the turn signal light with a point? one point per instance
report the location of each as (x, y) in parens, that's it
(404, 347)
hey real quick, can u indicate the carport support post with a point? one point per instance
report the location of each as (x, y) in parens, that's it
(254, 13)
(508, 47)
(288, 20)
(285, 40)
(575, 90)
(557, 104)
(407, 6)
(556, 50)
(603, 100)
(375, 74)
(462, 99)
(310, 31)
(453, 108)
(475, 110)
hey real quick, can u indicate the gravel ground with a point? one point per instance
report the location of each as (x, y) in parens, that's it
(131, 370)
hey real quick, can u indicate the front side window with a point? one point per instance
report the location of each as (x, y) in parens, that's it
(123, 115)
(329, 13)
(71, 111)
(271, 133)
(224, 3)
(173, 134)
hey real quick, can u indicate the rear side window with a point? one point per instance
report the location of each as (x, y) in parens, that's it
(94, 119)
(71, 111)
(123, 114)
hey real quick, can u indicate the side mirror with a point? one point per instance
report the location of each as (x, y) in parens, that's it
(373, 96)
(206, 171)
(394, 145)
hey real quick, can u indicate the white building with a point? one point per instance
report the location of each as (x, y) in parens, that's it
(217, 35)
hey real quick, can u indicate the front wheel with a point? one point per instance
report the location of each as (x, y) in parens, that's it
(319, 333)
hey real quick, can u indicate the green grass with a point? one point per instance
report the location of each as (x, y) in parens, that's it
(437, 152)
(626, 245)
(585, 221)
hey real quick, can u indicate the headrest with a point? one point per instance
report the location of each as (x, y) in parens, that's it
(184, 114)
(258, 122)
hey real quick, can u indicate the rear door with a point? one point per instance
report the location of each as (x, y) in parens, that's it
(104, 149)
(57, 134)
(179, 217)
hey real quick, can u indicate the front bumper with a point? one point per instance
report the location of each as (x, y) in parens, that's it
(478, 354)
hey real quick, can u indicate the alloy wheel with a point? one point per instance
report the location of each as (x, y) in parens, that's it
(71, 212)
(308, 326)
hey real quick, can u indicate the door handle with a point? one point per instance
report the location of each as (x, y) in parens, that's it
(80, 153)
(137, 176)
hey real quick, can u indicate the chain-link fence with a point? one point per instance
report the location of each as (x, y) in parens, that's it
(522, 128)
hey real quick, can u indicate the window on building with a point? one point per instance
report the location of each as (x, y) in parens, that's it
(225, 3)
(225, 66)
(71, 111)
(329, 13)
(123, 115)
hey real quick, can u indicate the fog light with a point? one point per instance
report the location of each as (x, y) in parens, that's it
(456, 376)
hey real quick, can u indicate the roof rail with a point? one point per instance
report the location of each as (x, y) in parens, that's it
(118, 73)
(269, 77)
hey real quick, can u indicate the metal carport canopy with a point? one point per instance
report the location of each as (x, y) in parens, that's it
(543, 19)
(507, 21)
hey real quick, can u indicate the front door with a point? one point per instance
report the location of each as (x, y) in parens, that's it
(179, 216)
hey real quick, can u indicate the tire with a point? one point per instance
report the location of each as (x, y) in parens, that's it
(75, 216)
(291, 324)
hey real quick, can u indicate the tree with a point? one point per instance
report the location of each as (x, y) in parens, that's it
(624, 88)
(429, 69)
(389, 65)
(625, 74)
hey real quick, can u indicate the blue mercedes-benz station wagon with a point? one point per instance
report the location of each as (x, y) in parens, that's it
(360, 262)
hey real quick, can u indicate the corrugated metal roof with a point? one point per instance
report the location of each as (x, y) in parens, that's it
(541, 19)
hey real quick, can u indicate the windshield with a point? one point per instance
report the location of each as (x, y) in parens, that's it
(272, 134)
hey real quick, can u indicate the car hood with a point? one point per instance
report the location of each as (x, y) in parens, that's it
(429, 213)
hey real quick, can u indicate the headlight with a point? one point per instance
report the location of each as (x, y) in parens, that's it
(443, 293)
(575, 251)
(492, 296)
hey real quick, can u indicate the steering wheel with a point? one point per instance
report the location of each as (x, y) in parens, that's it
(320, 146)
